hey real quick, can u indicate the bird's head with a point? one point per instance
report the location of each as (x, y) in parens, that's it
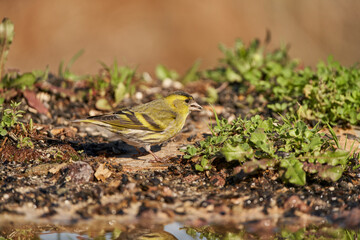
(182, 102)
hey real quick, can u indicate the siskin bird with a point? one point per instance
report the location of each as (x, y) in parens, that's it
(150, 123)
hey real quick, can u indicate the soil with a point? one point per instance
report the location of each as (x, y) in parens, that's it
(78, 175)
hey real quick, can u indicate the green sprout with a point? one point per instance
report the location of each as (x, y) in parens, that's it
(65, 72)
(10, 118)
(291, 147)
(330, 93)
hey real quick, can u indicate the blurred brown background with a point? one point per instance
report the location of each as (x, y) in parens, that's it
(144, 33)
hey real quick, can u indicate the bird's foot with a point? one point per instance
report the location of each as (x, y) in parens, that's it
(159, 160)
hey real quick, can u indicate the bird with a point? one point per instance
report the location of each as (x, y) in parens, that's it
(151, 123)
(141, 233)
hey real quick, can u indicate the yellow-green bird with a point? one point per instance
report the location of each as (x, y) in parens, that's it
(150, 123)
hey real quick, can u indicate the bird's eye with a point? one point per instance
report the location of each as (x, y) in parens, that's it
(187, 100)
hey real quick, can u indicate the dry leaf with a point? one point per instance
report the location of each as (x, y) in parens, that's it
(34, 102)
(102, 173)
(57, 131)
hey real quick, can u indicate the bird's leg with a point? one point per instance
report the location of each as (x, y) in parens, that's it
(148, 150)
(156, 158)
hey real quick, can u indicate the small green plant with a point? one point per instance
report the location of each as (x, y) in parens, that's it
(191, 75)
(250, 66)
(25, 80)
(309, 232)
(58, 155)
(24, 142)
(318, 232)
(330, 93)
(116, 79)
(6, 37)
(214, 233)
(9, 119)
(291, 147)
(14, 79)
(162, 73)
(66, 73)
(120, 79)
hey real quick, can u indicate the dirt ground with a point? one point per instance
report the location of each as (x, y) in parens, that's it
(78, 176)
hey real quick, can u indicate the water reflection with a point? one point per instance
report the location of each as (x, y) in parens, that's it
(63, 235)
(175, 230)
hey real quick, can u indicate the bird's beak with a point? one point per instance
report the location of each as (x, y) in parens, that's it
(194, 106)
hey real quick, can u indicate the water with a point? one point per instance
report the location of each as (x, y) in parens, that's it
(178, 230)
(175, 229)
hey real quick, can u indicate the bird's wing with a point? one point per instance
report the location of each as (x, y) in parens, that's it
(156, 121)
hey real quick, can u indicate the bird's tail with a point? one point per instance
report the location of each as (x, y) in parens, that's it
(92, 121)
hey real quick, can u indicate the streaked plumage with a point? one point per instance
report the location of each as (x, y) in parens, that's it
(150, 123)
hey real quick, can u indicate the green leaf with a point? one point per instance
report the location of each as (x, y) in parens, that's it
(192, 74)
(103, 104)
(334, 158)
(218, 123)
(199, 168)
(163, 72)
(205, 163)
(258, 136)
(120, 92)
(333, 134)
(240, 152)
(6, 32)
(331, 173)
(6, 37)
(261, 141)
(232, 76)
(3, 131)
(66, 73)
(41, 75)
(253, 165)
(191, 150)
(211, 95)
(315, 143)
(74, 58)
(294, 171)
(25, 80)
(267, 125)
